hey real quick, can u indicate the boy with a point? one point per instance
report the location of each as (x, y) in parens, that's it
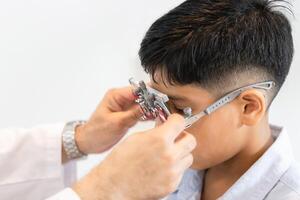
(199, 52)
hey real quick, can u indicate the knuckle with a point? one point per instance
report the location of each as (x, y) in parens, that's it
(169, 158)
(188, 143)
(192, 141)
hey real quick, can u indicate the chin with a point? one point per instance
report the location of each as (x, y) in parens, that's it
(198, 166)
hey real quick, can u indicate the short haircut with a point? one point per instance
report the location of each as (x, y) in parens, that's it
(220, 44)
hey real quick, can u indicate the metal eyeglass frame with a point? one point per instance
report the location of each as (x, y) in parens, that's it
(267, 85)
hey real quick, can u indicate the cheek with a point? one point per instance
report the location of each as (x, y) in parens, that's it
(218, 139)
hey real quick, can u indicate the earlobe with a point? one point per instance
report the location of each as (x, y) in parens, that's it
(253, 107)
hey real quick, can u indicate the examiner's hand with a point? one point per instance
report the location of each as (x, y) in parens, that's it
(147, 165)
(116, 113)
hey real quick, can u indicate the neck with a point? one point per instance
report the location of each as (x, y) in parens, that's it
(220, 178)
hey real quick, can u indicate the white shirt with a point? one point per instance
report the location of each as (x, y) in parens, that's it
(30, 165)
(275, 176)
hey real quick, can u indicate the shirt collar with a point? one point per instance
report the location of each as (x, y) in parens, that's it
(256, 182)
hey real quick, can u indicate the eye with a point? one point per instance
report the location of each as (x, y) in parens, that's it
(178, 108)
(175, 108)
(179, 111)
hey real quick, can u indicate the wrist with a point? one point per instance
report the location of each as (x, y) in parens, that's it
(97, 185)
(70, 146)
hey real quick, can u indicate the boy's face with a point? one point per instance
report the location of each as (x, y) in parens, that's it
(219, 135)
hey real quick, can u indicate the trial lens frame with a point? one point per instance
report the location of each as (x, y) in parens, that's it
(153, 102)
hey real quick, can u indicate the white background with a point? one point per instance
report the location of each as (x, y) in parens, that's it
(58, 57)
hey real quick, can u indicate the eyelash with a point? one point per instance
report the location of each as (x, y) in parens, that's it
(178, 109)
(174, 108)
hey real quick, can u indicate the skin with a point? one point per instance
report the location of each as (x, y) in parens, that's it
(156, 158)
(229, 140)
(114, 115)
(151, 158)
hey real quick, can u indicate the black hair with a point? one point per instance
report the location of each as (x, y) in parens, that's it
(206, 42)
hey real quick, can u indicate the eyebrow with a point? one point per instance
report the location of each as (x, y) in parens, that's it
(171, 97)
(177, 98)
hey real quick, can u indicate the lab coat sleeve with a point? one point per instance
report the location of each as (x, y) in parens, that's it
(67, 193)
(30, 163)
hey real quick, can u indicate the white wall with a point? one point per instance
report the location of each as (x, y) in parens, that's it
(58, 57)
(286, 108)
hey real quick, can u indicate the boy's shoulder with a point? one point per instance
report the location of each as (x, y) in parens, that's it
(288, 187)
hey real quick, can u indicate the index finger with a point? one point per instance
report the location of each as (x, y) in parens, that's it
(172, 127)
(124, 96)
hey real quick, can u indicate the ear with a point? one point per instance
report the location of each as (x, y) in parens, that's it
(252, 106)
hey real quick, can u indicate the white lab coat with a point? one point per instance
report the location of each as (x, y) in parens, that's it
(30, 164)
